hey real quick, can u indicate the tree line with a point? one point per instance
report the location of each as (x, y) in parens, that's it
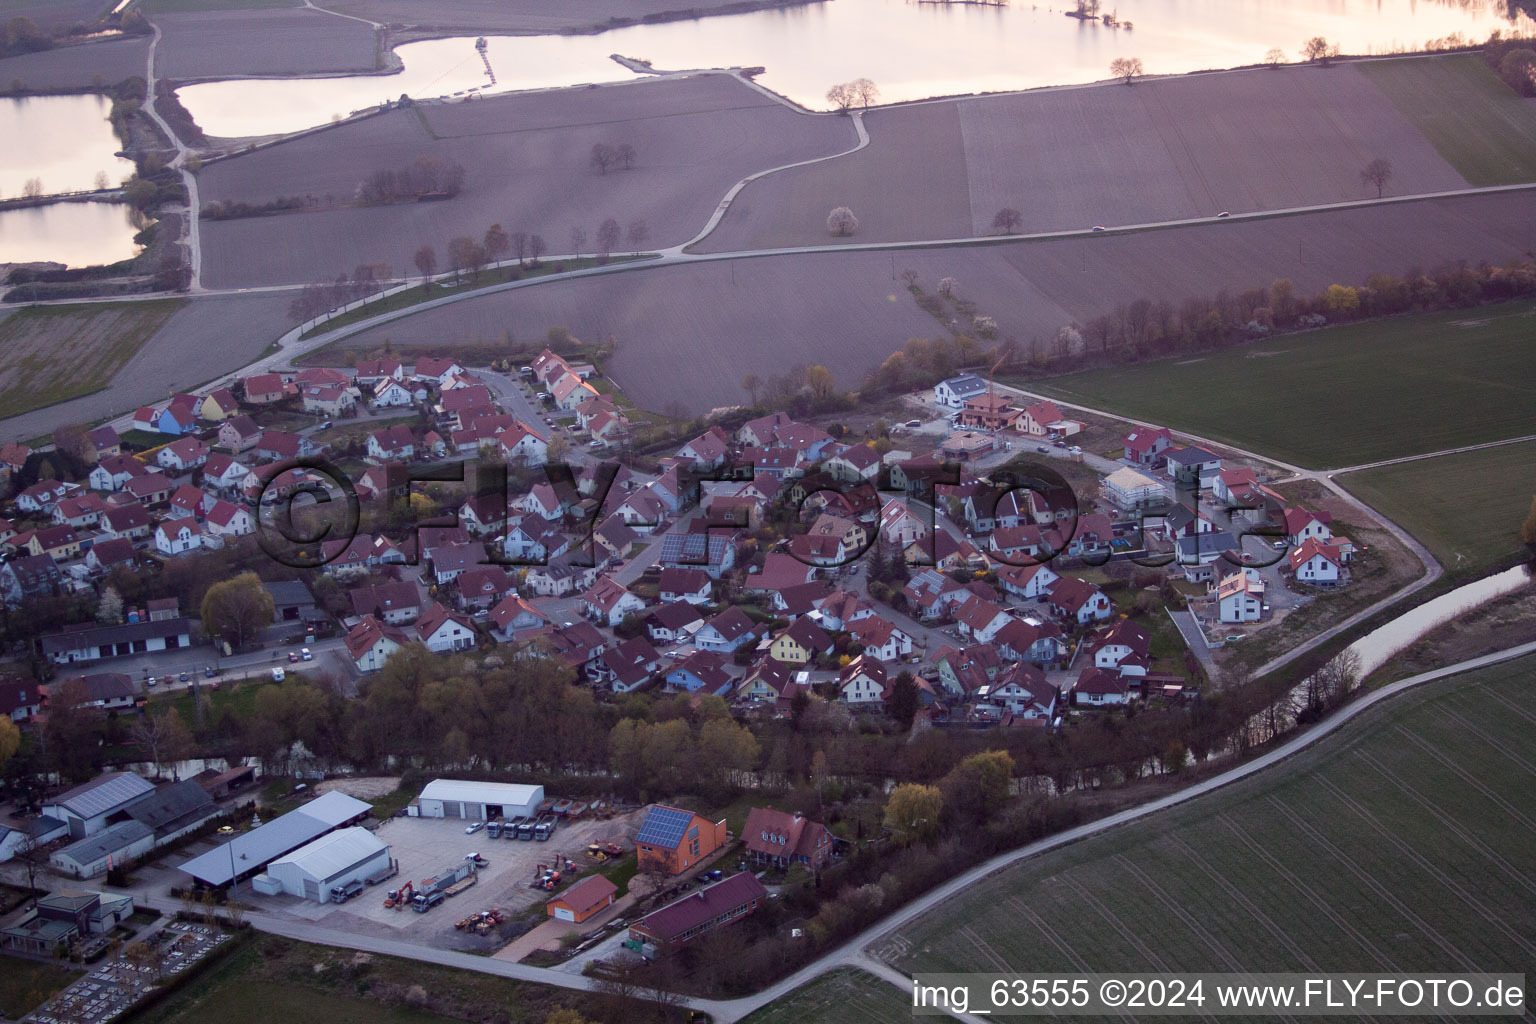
(424, 177)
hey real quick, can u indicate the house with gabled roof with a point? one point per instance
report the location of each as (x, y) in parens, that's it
(177, 537)
(726, 631)
(394, 442)
(1144, 446)
(43, 495)
(953, 393)
(882, 638)
(443, 630)
(560, 576)
(1030, 640)
(770, 681)
(435, 370)
(708, 450)
(371, 642)
(524, 445)
(713, 551)
(1036, 420)
(700, 672)
(1229, 483)
(609, 602)
(224, 473)
(264, 389)
(1240, 597)
(395, 603)
(1075, 599)
(1022, 691)
(672, 840)
(226, 519)
(678, 583)
(1100, 687)
(1193, 467)
(80, 510)
(629, 665)
(1316, 562)
(980, 619)
(1303, 524)
(801, 642)
(864, 682)
(484, 585)
(673, 623)
(128, 521)
(1124, 647)
(114, 471)
(106, 555)
(779, 839)
(513, 616)
(182, 456)
(1030, 582)
(389, 393)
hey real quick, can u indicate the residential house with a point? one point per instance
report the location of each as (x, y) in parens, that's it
(708, 450)
(1124, 647)
(679, 584)
(1145, 446)
(80, 511)
(1075, 599)
(389, 393)
(1230, 483)
(103, 442)
(1037, 420)
(609, 602)
(1030, 582)
(177, 537)
(672, 840)
(673, 623)
(1021, 691)
(988, 412)
(1031, 640)
(800, 643)
(863, 683)
(393, 443)
(223, 473)
(1302, 525)
(484, 514)
(435, 370)
(771, 681)
(1132, 491)
(372, 371)
(698, 913)
(278, 445)
(700, 672)
(396, 603)
(370, 643)
(220, 405)
(1193, 467)
(882, 638)
(523, 445)
(21, 700)
(226, 519)
(481, 587)
(629, 665)
(956, 391)
(980, 619)
(443, 630)
(43, 495)
(1100, 687)
(106, 555)
(449, 560)
(1316, 562)
(513, 616)
(726, 631)
(1240, 597)
(560, 576)
(779, 839)
(900, 526)
(113, 472)
(966, 445)
(714, 552)
(854, 464)
(264, 389)
(30, 576)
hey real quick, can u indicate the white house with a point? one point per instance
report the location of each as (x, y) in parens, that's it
(956, 391)
(177, 537)
(1240, 597)
(609, 601)
(442, 630)
(390, 393)
(1316, 562)
(1027, 581)
(370, 643)
(862, 682)
(1302, 525)
(521, 443)
(226, 519)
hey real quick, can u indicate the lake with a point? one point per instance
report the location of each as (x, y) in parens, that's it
(75, 234)
(911, 51)
(68, 141)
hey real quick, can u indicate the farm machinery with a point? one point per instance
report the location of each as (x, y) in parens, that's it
(482, 923)
(397, 898)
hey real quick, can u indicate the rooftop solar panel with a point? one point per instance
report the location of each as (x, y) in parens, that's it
(664, 826)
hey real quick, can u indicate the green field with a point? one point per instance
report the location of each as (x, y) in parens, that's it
(1466, 508)
(1402, 843)
(52, 353)
(1343, 396)
(836, 997)
(1478, 124)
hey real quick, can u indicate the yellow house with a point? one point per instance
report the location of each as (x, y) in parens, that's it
(220, 405)
(58, 541)
(801, 642)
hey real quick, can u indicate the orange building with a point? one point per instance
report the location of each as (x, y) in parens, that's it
(588, 896)
(672, 840)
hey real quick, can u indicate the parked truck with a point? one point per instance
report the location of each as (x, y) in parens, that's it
(509, 829)
(525, 829)
(545, 828)
(493, 829)
(344, 892)
(426, 901)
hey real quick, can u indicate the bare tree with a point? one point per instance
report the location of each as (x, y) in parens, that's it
(162, 739)
(1008, 220)
(947, 286)
(608, 234)
(843, 97)
(625, 153)
(1378, 172)
(1126, 68)
(537, 247)
(33, 188)
(842, 222)
(519, 241)
(638, 233)
(604, 156)
(426, 262)
(1274, 58)
(496, 243)
(910, 276)
(865, 91)
(751, 384)
(1319, 51)
(578, 240)
(102, 181)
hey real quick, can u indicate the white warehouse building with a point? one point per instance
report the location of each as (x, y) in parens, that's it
(478, 801)
(332, 860)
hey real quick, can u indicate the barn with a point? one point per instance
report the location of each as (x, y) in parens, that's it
(477, 801)
(332, 860)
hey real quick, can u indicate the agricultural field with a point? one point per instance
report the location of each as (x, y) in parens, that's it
(200, 42)
(51, 15)
(850, 310)
(1193, 146)
(1400, 844)
(1466, 508)
(180, 6)
(1477, 123)
(207, 336)
(1344, 396)
(54, 353)
(440, 17)
(527, 167)
(77, 67)
(833, 997)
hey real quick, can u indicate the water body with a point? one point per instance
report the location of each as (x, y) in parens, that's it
(74, 234)
(62, 141)
(1377, 647)
(911, 50)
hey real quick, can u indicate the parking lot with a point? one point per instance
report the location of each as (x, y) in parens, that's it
(424, 847)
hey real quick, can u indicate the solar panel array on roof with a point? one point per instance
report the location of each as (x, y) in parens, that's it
(103, 794)
(664, 826)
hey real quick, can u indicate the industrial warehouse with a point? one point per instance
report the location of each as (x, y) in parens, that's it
(332, 869)
(250, 852)
(477, 801)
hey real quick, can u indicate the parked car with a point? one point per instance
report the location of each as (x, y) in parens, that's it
(1100, 227)
(470, 830)
(149, 681)
(304, 654)
(1223, 215)
(1042, 449)
(914, 423)
(278, 675)
(185, 677)
(207, 671)
(293, 656)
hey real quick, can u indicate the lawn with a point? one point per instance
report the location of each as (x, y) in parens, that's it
(1402, 843)
(1481, 127)
(24, 985)
(836, 997)
(1343, 396)
(1466, 508)
(272, 979)
(54, 353)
